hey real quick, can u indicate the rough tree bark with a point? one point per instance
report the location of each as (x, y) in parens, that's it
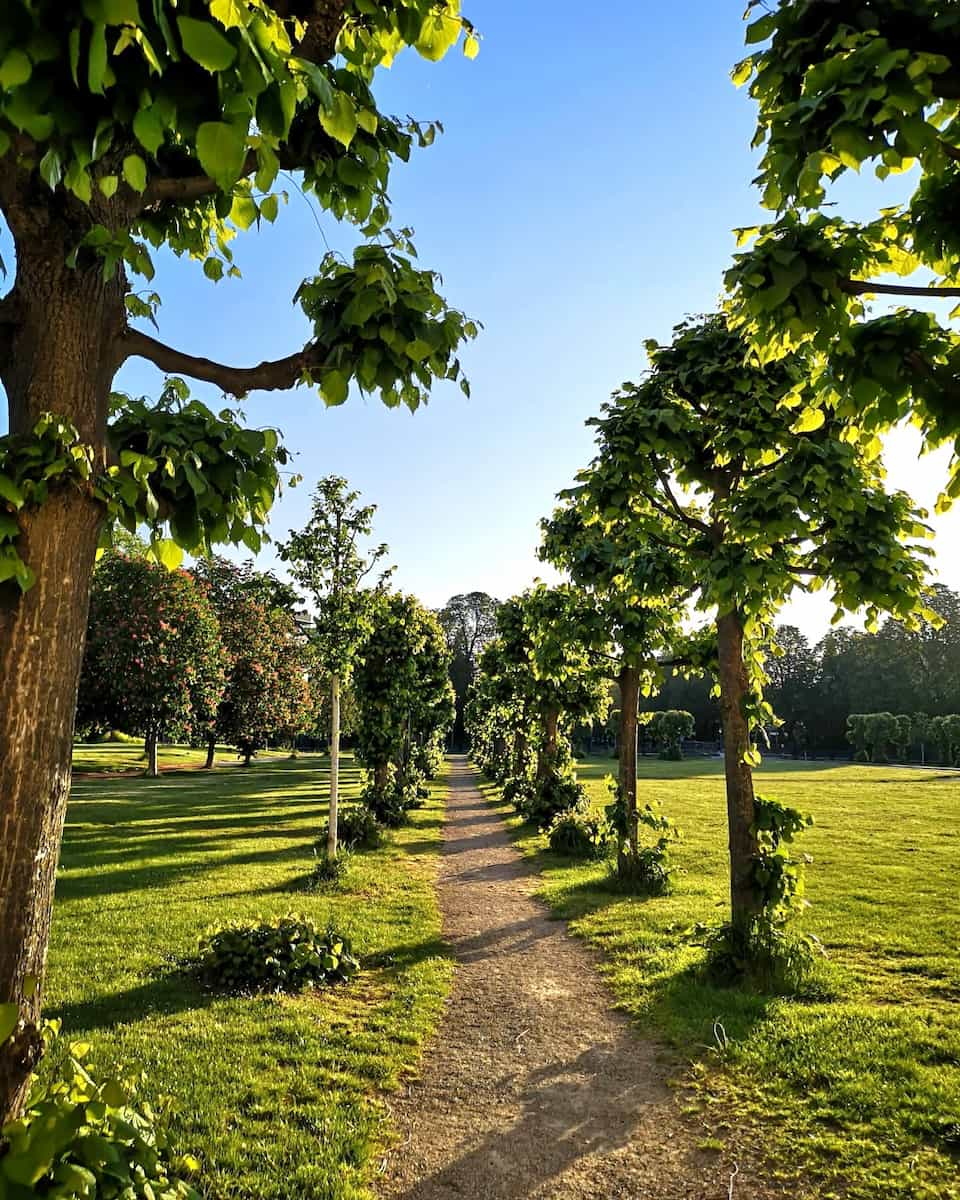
(332, 832)
(58, 354)
(547, 752)
(211, 751)
(629, 703)
(734, 687)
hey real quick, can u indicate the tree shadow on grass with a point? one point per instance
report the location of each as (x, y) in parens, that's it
(136, 878)
(173, 992)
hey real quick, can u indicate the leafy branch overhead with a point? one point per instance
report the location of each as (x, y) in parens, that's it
(840, 88)
(167, 125)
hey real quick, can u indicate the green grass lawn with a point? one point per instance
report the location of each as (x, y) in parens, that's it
(277, 1095)
(855, 1089)
(121, 757)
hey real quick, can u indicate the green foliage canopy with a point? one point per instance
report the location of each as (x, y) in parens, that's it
(839, 88)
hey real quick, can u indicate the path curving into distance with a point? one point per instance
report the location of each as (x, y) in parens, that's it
(534, 1087)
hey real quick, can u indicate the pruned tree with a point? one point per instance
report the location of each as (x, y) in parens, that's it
(127, 127)
(631, 627)
(669, 727)
(327, 560)
(404, 697)
(722, 463)
(153, 660)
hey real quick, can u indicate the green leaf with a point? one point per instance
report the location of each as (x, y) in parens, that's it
(367, 120)
(418, 349)
(108, 185)
(440, 31)
(14, 70)
(9, 1017)
(229, 13)
(10, 492)
(51, 168)
(168, 554)
(148, 129)
(760, 30)
(97, 58)
(213, 268)
(243, 211)
(340, 120)
(135, 172)
(269, 206)
(334, 388)
(221, 149)
(206, 44)
(809, 420)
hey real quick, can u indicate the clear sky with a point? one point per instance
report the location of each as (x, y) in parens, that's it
(594, 162)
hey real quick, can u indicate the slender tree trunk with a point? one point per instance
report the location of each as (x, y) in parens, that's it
(548, 745)
(734, 687)
(332, 833)
(150, 749)
(381, 773)
(57, 331)
(629, 703)
(211, 751)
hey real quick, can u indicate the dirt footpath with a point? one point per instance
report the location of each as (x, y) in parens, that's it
(533, 1086)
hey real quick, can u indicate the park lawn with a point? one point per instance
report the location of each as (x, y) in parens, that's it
(123, 757)
(277, 1096)
(854, 1088)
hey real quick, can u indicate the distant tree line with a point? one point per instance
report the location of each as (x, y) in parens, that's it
(814, 689)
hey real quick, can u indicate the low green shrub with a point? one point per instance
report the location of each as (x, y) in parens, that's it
(357, 829)
(580, 833)
(391, 803)
(84, 1138)
(518, 791)
(283, 955)
(646, 868)
(326, 870)
(552, 796)
(765, 957)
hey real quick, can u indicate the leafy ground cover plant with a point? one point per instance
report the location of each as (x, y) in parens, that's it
(580, 833)
(82, 1137)
(358, 829)
(283, 955)
(648, 866)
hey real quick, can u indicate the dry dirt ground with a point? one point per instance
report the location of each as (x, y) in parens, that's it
(534, 1087)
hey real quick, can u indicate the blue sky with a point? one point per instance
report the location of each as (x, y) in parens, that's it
(581, 201)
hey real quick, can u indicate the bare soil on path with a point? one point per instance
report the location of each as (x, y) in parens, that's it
(534, 1086)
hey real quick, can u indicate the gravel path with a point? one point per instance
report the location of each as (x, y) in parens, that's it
(533, 1086)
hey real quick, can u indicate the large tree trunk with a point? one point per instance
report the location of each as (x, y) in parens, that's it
(381, 775)
(57, 332)
(734, 688)
(211, 751)
(332, 836)
(629, 703)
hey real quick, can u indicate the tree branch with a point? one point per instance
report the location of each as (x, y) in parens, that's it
(863, 287)
(674, 502)
(271, 375)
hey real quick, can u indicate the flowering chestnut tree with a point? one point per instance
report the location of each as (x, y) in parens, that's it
(154, 660)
